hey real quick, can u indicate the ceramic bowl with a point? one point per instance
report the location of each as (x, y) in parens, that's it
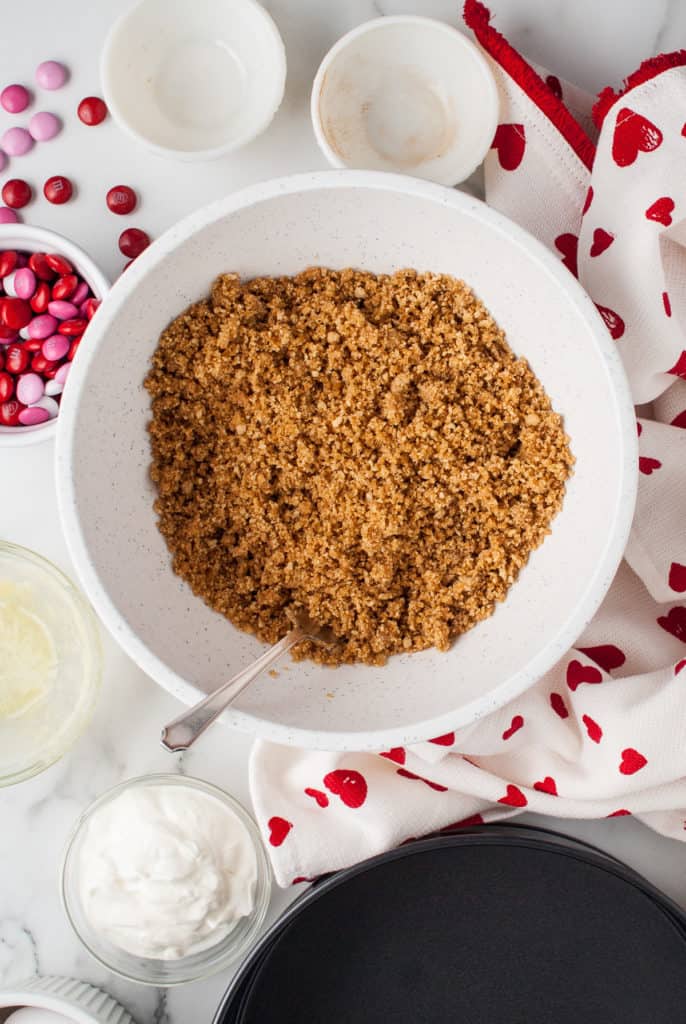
(25, 238)
(405, 94)
(377, 222)
(194, 80)
(76, 1001)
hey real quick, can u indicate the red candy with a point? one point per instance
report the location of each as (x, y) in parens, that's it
(121, 199)
(58, 263)
(71, 328)
(58, 189)
(16, 193)
(41, 297)
(133, 241)
(65, 287)
(2, 359)
(6, 333)
(89, 307)
(16, 359)
(39, 364)
(32, 344)
(92, 110)
(39, 265)
(6, 387)
(15, 313)
(73, 349)
(9, 413)
(8, 261)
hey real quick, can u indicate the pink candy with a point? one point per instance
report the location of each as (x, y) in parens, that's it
(63, 373)
(44, 126)
(62, 310)
(51, 75)
(55, 347)
(15, 98)
(81, 294)
(42, 326)
(32, 416)
(30, 388)
(8, 216)
(16, 141)
(24, 283)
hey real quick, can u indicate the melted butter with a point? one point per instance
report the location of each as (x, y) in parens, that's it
(27, 654)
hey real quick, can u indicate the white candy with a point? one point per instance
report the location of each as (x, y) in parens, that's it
(47, 403)
(24, 333)
(8, 285)
(53, 387)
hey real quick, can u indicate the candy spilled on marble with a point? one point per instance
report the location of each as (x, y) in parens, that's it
(45, 308)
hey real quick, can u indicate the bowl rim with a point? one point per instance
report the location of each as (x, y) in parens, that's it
(191, 155)
(409, 20)
(44, 239)
(597, 586)
(197, 971)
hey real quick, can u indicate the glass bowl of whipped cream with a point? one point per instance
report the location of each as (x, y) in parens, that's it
(50, 663)
(165, 880)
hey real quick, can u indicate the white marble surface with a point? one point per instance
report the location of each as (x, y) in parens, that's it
(589, 43)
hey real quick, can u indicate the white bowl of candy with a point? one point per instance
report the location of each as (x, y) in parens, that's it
(49, 291)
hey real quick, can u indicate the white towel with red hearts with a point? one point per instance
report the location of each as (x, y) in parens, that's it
(603, 733)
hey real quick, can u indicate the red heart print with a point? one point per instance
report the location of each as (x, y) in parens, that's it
(558, 705)
(667, 304)
(677, 577)
(679, 368)
(679, 420)
(633, 134)
(553, 83)
(620, 813)
(515, 726)
(316, 794)
(568, 245)
(607, 656)
(396, 754)
(509, 142)
(514, 797)
(588, 200)
(473, 819)
(632, 761)
(578, 674)
(674, 622)
(647, 465)
(602, 240)
(679, 665)
(444, 741)
(546, 786)
(419, 778)
(594, 731)
(350, 786)
(613, 321)
(278, 830)
(661, 210)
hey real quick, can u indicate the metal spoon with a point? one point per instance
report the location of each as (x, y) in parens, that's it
(184, 730)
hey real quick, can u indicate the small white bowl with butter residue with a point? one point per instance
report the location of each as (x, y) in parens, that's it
(165, 880)
(50, 663)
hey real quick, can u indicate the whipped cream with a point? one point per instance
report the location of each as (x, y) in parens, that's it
(166, 871)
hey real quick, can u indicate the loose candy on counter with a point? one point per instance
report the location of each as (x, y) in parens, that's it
(92, 110)
(121, 199)
(16, 141)
(58, 189)
(51, 75)
(15, 98)
(44, 126)
(133, 241)
(16, 193)
(8, 216)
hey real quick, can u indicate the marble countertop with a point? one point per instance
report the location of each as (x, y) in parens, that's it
(588, 43)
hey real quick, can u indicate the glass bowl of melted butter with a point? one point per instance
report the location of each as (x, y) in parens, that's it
(50, 663)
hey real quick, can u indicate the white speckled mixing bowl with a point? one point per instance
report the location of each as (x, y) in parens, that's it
(377, 222)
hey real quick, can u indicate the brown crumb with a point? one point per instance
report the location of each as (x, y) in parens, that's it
(365, 448)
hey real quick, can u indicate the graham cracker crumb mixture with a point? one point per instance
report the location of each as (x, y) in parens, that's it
(365, 448)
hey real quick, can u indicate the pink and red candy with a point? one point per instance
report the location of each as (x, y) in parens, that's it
(45, 307)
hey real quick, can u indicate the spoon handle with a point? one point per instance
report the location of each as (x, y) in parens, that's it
(184, 730)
